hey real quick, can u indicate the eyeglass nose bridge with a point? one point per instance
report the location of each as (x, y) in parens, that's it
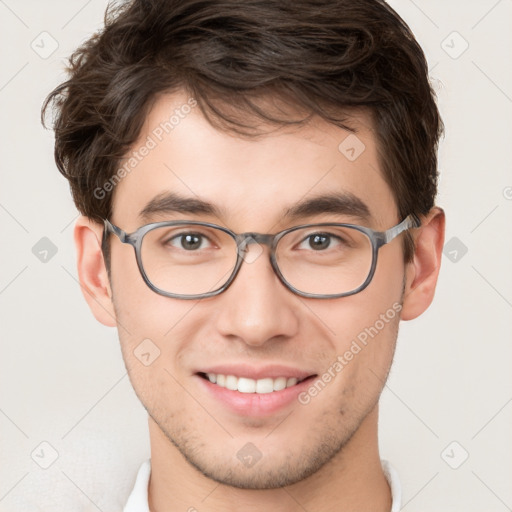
(243, 240)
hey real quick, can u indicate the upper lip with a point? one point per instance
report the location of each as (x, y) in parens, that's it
(250, 372)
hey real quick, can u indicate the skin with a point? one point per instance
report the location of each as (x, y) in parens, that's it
(320, 456)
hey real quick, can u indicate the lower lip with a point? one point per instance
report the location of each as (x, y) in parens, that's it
(255, 404)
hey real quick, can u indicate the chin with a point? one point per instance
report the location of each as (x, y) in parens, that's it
(252, 468)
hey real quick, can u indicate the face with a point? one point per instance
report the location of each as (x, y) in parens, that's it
(257, 328)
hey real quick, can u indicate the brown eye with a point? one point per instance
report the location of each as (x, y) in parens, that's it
(320, 241)
(188, 241)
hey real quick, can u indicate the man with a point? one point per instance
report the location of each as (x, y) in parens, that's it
(256, 182)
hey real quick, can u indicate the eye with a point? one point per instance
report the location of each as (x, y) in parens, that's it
(320, 241)
(189, 241)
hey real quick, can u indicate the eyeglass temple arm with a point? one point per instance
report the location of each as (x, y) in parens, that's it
(110, 228)
(411, 221)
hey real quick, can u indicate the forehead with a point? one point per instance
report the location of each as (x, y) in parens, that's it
(251, 181)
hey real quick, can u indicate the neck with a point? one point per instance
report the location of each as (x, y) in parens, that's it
(352, 480)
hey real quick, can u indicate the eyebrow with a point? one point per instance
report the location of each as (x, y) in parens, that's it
(344, 203)
(174, 203)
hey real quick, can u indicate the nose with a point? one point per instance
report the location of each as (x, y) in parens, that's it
(257, 307)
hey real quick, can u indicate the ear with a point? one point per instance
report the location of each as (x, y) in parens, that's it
(92, 272)
(423, 271)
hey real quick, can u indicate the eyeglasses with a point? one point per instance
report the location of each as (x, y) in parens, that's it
(193, 260)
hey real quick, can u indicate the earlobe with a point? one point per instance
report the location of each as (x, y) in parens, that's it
(422, 273)
(92, 272)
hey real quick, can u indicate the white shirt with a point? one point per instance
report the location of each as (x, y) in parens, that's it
(138, 499)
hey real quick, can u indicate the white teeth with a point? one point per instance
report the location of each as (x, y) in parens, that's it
(264, 385)
(231, 382)
(245, 385)
(279, 383)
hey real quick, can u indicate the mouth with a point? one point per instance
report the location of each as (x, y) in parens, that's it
(247, 390)
(247, 385)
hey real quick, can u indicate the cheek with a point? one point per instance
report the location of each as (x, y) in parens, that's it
(357, 371)
(151, 358)
(388, 280)
(371, 313)
(140, 311)
(364, 328)
(150, 329)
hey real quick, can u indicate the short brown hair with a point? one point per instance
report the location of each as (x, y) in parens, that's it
(324, 57)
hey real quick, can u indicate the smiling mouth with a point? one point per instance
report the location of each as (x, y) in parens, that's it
(246, 385)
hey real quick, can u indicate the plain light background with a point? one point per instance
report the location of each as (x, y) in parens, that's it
(62, 379)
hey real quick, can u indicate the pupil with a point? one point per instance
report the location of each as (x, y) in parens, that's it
(319, 242)
(190, 241)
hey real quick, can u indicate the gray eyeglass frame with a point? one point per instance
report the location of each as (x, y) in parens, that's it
(242, 240)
